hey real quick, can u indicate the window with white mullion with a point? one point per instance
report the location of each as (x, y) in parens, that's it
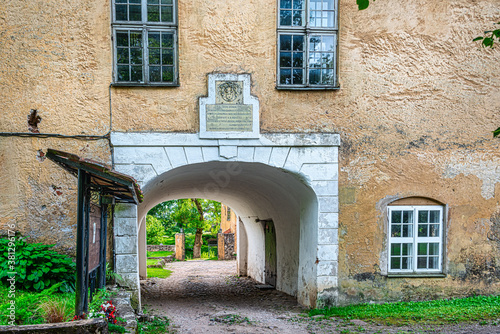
(415, 238)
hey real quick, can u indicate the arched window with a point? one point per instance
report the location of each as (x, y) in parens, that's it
(415, 236)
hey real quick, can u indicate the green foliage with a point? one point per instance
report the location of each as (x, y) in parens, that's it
(489, 39)
(111, 276)
(37, 267)
(29, 308)
(155, 231)
(158, 272)
(158, 325)
(432, 312)
(496, 133)
(363, 4)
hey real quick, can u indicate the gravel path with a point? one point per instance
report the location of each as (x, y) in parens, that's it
(208, 297)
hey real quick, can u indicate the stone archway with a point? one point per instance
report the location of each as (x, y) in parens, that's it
(291, 179)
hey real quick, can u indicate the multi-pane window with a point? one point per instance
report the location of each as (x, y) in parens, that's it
(307, 44)
(415, 239)
(145, 42)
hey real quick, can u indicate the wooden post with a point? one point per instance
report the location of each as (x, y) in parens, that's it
(180, 246)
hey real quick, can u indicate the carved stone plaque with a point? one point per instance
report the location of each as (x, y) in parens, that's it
(229, 111)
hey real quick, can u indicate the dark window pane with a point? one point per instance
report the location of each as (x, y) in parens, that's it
(396, 217)
(286, 3)
(285, 42)
(395, 229)
(154, 39)
(136, 39)
(422, 262)
(327, 79)
(395, 263)
(285, 77)
(404, 264)
(166, 14)
(285, 59)
(136, 56)
(298, 43)
(422, 249)
(298, 4)
(122, 39)
(167, 57)
(286, 17)
(136, 73)
(168, 74)
(135, 13)
(121, 12)
(123, 73)
(298, 77)
(155, 73)
(434, 230)
(395, 249)
(167, 40)
(407, 217)
(121, 1)
(434, 217)
(423, 217)
(154, 57)
(405, 231)
(407, 249)
(298, 60)
(166, 2)
(433, 262)
(135, 1)
(297, 17)
(315, 79)
(153, 13)
(122, 56)
(153, 2)
(423, 230)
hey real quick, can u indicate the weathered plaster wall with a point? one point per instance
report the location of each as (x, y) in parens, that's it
(417, 104)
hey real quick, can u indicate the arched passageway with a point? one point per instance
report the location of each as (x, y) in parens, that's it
(289, 179)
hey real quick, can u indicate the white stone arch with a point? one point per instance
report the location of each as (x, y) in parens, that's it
(289, 178)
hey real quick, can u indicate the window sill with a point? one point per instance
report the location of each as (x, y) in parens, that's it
(133, 84)
(416, 275)
(306, 88)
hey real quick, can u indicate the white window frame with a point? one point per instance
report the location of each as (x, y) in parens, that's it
(415, 239)
(306, 30)
(144, 26)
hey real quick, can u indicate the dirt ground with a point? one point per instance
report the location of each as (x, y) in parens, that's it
(208, 297)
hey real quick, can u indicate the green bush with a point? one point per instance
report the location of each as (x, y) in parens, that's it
(37, 267)
(154, 231)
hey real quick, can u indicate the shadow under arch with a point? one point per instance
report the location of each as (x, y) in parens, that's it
(254, 191)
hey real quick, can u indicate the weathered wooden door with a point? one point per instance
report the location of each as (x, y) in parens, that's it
(270, 248)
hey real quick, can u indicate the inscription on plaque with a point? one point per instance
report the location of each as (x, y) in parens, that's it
(229, 110)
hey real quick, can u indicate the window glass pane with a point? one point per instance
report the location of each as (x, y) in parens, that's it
(405, 263)
(407, 217)
(314, 77)
(155, 73)
(286, 4)
(396, 217)
(135, 13)
(154, 13)
(433, 262)
(407, 249)
(135, 1)
(286, 17)
(285, 76)
(136, 56)
(298, 77)
(315, 43)
(434, 217)
(395, 263)
(422, 249)
(136, 39)
(166, 2)
(327, 77)
(122, 56)
(423, 217)
(396, 231)
(167, 40)
(285, 59)
(423, 230)
(153, 2)
(167, 57)
(154, 57)
(298, 4)
(328, 43)
(433, 249)
(123, 73)
(121, 1)
(298, 43)
(298, 59)
(422, 262)
(121, 12)
(136, 73)
(285, 42)
(166, 14)
(434, 230)
(154, 40)
(167, 73)
(395, 249)
(297, 17)
(122, 39)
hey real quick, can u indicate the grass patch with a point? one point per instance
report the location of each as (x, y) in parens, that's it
(158, 272)
(152, 262)
(432, 312)
(159, 254)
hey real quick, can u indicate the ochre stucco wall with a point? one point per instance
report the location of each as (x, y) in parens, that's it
(415, 111)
